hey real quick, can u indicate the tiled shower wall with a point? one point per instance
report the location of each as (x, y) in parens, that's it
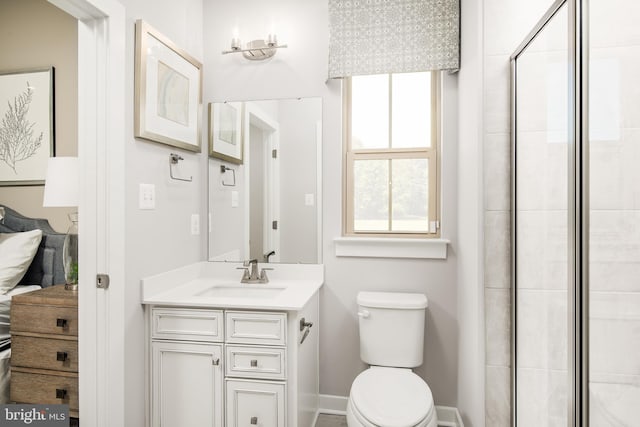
(506, 24)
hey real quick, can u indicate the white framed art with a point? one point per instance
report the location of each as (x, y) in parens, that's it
(26, 126)
(225, 131)
(168, 81)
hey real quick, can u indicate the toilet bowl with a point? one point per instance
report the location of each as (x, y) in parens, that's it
(390, 397)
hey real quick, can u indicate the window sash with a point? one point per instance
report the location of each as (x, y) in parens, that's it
(432, 153)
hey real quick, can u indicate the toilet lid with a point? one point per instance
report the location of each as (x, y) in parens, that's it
(391, 397)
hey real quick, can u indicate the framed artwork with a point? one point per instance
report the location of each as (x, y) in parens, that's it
(168, 100)
(225, 131)
(26, 126)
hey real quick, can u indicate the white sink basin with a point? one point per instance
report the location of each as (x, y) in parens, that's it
(242, 291)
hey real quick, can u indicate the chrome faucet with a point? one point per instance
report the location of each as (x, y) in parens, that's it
(252, 274)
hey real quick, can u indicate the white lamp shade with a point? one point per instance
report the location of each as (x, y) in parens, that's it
(61, 185)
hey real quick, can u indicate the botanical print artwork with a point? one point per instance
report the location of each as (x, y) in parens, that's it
(17, 139)
(173, 95)
(26, 126)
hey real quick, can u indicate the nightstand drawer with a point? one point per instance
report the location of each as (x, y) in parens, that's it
(28, 387)
(192, 325)
(44, 319)
(245, 327)
(255, 362)
(44, 353)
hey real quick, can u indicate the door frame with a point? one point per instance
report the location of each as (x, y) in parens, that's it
(101, 153)
(254, 115)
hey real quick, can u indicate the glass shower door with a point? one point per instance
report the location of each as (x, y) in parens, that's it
(614, 213)
(541, 218)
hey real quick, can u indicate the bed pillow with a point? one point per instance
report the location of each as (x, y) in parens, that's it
(16, 253)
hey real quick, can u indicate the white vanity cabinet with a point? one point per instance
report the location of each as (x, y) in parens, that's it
(232, 367)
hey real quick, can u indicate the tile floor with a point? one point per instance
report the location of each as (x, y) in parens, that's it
(326, 420)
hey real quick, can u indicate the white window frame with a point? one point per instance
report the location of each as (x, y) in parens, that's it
(432, 153)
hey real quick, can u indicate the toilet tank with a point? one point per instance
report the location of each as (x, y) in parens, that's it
(391, 328)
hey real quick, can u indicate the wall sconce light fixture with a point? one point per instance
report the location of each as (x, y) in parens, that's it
(256, 50)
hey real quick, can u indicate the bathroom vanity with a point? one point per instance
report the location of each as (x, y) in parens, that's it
(222, 353)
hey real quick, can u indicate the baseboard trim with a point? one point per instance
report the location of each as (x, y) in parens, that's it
(332, 405)
(337, 405)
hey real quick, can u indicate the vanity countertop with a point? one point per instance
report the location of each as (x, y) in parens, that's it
(217, 284)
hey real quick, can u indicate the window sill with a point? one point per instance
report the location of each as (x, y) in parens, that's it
(377, 247)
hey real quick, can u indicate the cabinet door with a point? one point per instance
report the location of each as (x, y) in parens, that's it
(186, 385)
(255, 403)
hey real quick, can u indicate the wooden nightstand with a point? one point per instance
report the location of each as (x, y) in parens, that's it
(44, 347)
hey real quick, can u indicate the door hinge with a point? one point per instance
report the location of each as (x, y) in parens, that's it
(102, 281)
(274, 153)
(274, 225)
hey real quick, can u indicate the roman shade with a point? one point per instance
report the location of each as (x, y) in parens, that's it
(393, 36)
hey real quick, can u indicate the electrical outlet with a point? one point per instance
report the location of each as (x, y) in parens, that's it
(195, 224)
(309, 199)
(147, 197)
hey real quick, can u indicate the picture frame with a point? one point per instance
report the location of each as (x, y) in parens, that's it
(27, 125)
(225, 131)
(168, 91)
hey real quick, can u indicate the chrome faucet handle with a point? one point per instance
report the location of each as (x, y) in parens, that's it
(263, 275)
(245, 274)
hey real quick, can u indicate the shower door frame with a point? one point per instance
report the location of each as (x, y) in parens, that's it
(578, 212)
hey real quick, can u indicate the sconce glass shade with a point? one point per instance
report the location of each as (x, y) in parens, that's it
(61, 190)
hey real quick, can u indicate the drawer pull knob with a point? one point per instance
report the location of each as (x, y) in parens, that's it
(62, 323)
(254, 420)
(254, 363)
(61, 393)
(216, 362)
(61, 356)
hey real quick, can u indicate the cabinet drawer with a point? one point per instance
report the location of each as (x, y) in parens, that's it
(44, 353)
(244, 327)
(255, 362)
(190, 324)
(255, 403)
(44, 319)
(27, 387)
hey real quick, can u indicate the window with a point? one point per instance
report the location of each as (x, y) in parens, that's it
(391, 155)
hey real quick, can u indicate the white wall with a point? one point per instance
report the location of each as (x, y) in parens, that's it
(301, 71)
(298, 160)
(160, 239)
(469, 216)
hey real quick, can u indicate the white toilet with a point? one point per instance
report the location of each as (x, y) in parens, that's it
(389, 394)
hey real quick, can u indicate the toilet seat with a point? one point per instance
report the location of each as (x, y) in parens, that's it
(391, 397)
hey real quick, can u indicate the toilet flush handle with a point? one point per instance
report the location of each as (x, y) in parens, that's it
(364, 314)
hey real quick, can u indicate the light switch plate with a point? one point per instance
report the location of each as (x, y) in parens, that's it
(234, 199)
(147, 197)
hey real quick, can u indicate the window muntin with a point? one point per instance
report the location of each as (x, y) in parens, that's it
(391, 156)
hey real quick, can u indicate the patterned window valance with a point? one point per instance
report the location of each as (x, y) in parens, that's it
(393, 36)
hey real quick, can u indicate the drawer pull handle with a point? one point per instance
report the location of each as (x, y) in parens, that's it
(216, 362)
(62, 323)
(254, 420)
(61, 393)
(61, 356)
(254, 363)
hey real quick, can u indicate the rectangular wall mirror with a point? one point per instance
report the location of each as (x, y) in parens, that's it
(265, 194)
